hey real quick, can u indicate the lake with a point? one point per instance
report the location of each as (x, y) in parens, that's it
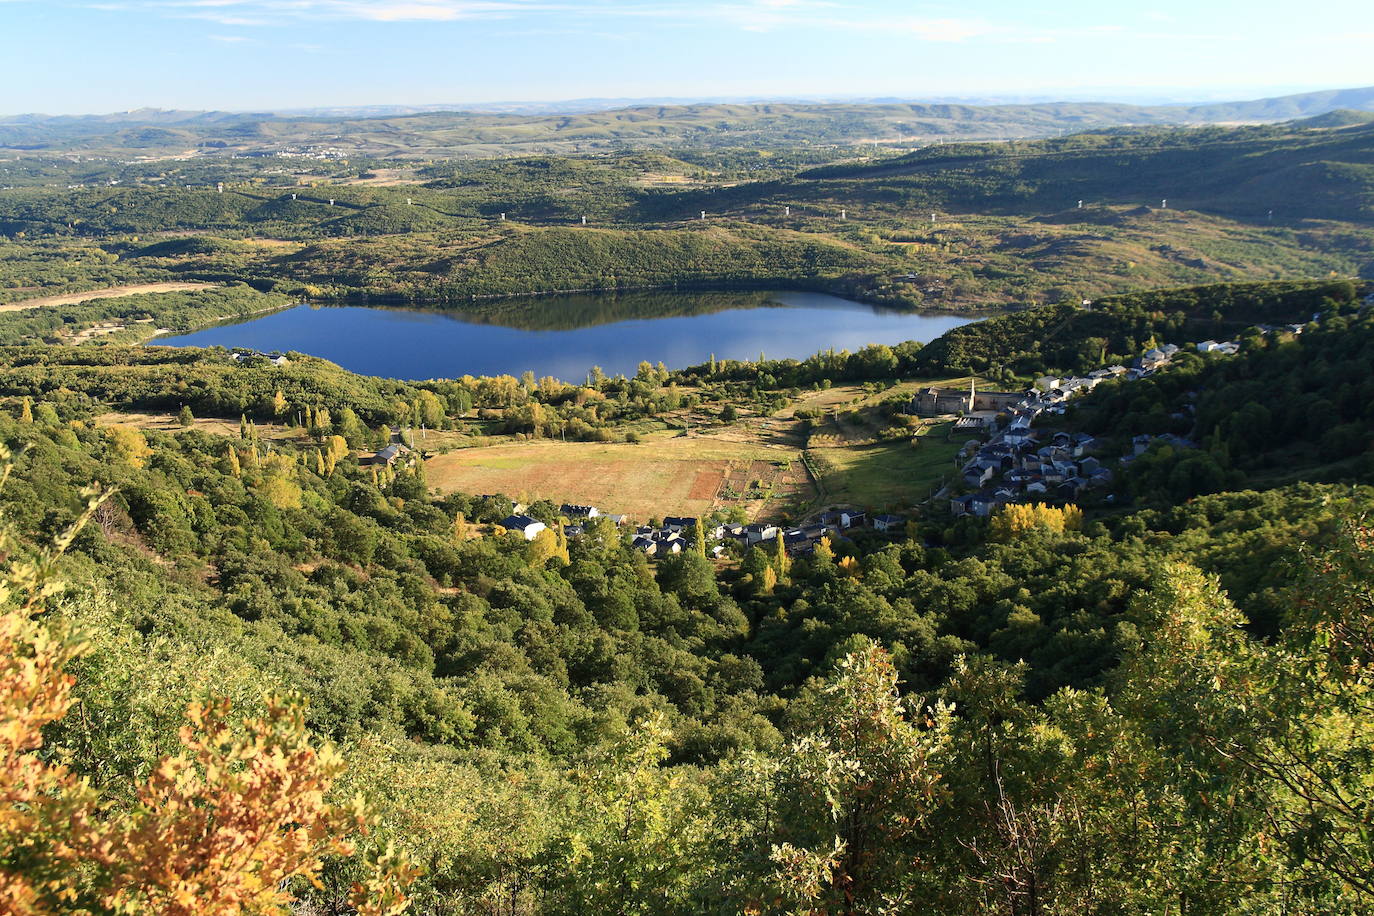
(564, 336)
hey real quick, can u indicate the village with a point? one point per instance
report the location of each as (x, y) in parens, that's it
(675, 534)
(1023, 461)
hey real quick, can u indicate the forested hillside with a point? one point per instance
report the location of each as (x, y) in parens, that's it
(1158, 703)
(1249, 173)
(959, 226)
(1076, 338)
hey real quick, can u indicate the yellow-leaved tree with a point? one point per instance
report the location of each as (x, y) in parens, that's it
(1019, 519)
(128, 445)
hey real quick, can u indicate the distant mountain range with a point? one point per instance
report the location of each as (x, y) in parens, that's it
(589, 125)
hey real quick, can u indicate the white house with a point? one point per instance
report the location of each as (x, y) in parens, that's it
(1227, 347)
(888, 522)
(527, 526)
(851, 518)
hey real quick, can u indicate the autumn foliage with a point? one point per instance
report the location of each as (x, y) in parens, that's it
(1019, 519)
(229, 825)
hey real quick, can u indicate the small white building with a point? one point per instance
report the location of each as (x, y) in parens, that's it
(889, 522)
(528, 527)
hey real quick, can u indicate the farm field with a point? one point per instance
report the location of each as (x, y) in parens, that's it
(676, 475)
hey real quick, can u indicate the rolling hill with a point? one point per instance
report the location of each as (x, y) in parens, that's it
(436, 134)
(1297, 173)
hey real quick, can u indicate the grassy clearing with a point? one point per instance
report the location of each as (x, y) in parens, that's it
(168, 423)
(886, 475)
(854, 396)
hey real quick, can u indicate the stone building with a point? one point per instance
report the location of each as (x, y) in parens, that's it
(935, 402)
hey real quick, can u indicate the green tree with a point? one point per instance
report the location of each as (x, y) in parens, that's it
(632, 841)
(1270, 743)
(834, 823)
(351, 428)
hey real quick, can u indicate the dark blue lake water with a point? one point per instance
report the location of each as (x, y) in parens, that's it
(565, 336)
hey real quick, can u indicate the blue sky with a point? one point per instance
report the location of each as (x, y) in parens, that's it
(81, 56)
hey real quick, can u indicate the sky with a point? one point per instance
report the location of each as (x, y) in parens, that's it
(95, 56)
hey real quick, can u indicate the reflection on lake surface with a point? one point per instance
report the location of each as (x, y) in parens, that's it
(565, 336)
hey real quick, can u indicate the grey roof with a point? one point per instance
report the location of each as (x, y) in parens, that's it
(394, 450)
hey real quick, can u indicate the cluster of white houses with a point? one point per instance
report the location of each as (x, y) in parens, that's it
(678, 533)
(577, 516)
(981, 410)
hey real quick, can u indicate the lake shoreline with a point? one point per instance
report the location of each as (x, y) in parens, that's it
(511, 335)
(839, 291)
(367, 300)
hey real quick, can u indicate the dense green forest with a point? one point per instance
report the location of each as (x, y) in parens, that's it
(1074, 338)
(1163, 708)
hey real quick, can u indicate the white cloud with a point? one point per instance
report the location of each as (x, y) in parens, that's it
(838, 16)
(269, 12)
(419, 10)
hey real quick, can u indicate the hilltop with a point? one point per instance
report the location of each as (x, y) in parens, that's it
(444, 134)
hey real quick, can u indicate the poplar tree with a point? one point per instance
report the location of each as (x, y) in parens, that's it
(767, 581)
(781, 561)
